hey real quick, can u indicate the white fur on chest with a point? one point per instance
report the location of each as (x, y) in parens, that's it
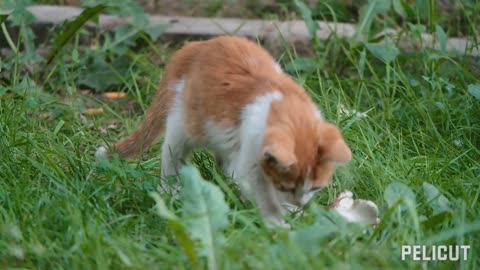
(254, 122)
(239, 146)
(225, 143)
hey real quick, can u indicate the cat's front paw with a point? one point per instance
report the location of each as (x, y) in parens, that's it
(172, 189)
(102, 152)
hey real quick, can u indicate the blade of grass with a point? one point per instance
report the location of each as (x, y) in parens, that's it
(72, 28)
(3, 18)
(365, 21)
(307, 17)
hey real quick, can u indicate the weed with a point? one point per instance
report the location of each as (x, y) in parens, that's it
(411, 120)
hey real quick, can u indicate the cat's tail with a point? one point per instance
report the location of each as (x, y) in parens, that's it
(149, 130)
(154, 124)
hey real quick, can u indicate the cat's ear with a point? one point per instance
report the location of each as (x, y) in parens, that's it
(332, 146)
(278, 150)
(278, 157)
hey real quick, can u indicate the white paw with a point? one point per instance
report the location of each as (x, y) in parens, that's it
(173, 190)
(274, 223)
(346, 194)
(101, 152)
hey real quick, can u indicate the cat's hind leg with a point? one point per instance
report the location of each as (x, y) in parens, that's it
(176, 147)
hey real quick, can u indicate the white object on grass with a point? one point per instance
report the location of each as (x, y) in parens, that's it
(358, 211)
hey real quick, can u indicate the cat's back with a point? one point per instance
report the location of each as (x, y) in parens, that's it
(222, 55)
(227, 74)
(237, 55)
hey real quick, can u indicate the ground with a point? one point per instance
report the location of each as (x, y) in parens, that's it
(411, 119)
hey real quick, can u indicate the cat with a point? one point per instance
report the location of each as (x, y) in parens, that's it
(229, 95)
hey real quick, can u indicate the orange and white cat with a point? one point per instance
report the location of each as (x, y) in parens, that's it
(228, 94)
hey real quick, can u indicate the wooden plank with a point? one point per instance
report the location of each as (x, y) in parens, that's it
(273, 33)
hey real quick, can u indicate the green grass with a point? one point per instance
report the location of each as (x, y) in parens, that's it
(60, 209)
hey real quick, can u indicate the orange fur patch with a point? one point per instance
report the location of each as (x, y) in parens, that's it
(222, 76)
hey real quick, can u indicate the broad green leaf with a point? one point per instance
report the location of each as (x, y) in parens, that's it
(442, 38)
(123, 257)
(367, 13)
(302, 64)
(309, 239)
(3, 17)
(27, 87)
(458, 231)
(18, 12)
(123, 8)
(100, 75)
(385, 52)
(417, 29)
(307, 17)
(123, 37)
(4, 31)
(421, 8)
(436, 219)
(361, 63)
(204, 213)
(75, 56)
(406, 8)
(133, 10)
(382, 6)
(30, 103)
(398, 7)
(436, 200)
(155, 31)
(176, 226)
(474, 90)
(396, 191)
(161, 208)
(72, 28)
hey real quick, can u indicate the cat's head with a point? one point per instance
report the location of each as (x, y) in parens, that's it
(301, 162)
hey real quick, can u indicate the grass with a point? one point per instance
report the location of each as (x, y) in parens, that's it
(60, 209)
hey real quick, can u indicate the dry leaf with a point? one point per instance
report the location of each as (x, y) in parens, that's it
(110, 126)
(113, 125)
(85, 91)
(94, 111)
(103, 131)
(114, 95)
